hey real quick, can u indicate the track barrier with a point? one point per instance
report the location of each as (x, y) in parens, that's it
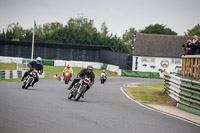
(185, 92)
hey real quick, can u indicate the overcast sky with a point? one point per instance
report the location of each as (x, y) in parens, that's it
(119, 15)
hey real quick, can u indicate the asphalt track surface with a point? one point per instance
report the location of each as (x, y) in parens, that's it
(105, 109)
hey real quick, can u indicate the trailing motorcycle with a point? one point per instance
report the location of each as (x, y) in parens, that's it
(67, 76)
(28, 80)
(79, 89)
(103, 78)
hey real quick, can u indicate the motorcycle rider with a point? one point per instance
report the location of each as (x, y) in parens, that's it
(103, 73)
(68, 68)
(34, 65)
(84, 72)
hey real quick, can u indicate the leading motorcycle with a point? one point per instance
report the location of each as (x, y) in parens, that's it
(28, 80)
(79, 88)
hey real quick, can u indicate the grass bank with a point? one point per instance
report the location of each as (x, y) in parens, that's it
(59, 69)
(150, 93)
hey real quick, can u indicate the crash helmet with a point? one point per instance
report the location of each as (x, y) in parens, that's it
(38, 60)
(68, 66)
(90, 68)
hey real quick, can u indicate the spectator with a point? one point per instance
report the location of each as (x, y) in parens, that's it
(164, 72)
(195, 45)
(187, 48)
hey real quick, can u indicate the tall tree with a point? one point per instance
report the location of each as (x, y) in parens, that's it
(158, 29)
(129, 36)
(14, 32)
(194, 31)
(78, 31)
(104, 29)
(3, 35)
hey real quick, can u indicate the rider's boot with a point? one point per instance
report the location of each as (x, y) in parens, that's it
(83, 95)
(69, 87)
(33, 83)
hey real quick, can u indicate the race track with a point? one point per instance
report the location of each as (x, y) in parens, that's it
(105, 109)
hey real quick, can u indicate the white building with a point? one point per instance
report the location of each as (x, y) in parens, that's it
(154, 53)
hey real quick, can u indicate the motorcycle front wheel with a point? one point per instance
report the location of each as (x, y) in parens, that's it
(66, 81)
(80, 92)
(24, 84)
(28, 83)
(70, 95)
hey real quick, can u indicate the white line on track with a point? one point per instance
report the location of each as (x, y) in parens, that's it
(145, 106)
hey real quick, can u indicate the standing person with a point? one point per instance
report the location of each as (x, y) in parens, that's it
(84, 72)
(187, 48)
(164, 72)
(34, 65)
(195, 45)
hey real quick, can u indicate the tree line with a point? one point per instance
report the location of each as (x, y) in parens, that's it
(81, 31)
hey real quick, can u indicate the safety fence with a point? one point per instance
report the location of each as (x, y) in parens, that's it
(10, 74)
(138, 74)
(185, 92)
(53, 51)
(191, 65)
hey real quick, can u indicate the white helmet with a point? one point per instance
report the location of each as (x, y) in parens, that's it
(38, 60)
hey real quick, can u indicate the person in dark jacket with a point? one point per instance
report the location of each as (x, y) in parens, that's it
(195, 45)
(84, 72)
(34, 65)
(187, 48)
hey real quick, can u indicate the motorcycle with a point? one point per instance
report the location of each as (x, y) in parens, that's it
(67, 76)
(103, 78)
(79, 88)
(28, 80)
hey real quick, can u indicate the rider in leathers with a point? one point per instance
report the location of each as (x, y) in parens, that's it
(34, 65)
(84, 72)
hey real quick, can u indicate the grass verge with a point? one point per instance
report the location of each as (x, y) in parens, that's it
(59, 69)
(150, 93)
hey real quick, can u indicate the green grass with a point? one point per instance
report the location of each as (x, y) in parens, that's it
(11, 80)
(59, 70)
(150, 93)
(8, 66)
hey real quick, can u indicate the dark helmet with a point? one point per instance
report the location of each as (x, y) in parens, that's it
(90, 68)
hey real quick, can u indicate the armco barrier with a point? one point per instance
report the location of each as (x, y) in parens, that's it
(10, 74)
(172, 86)
(190, 96)
(13, 74)
(185, 92)
(138, 74)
